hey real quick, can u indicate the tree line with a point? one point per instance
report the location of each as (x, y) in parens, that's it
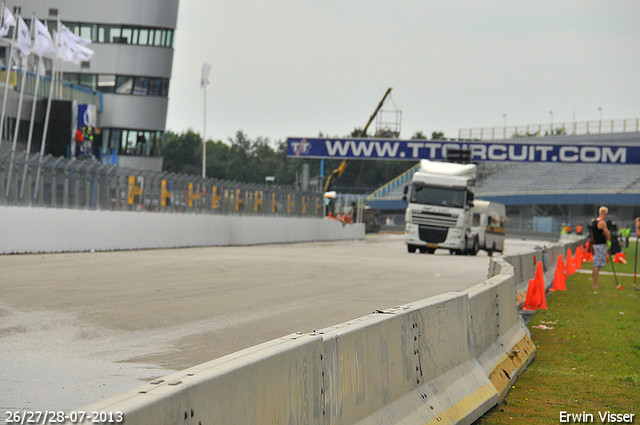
(251, 160)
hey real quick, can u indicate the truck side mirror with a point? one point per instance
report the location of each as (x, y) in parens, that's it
(470, 197)
(406, 190)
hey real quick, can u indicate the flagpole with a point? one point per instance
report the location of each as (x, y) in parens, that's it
(46, 115)
(6, 83)
(29, 137)
(18, 117)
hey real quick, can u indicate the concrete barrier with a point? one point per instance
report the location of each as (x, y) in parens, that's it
(446, 359)
(279, 381)
(502, 341)
(409, 364)
(31, 230)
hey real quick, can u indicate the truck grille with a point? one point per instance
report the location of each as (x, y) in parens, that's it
(434, 219)
(433, 234)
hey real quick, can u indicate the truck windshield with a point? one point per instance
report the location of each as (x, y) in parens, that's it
(441, 196)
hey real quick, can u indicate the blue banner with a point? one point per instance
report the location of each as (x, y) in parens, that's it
(415, 150)
(87, 115)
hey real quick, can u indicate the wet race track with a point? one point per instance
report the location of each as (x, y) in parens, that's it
(76, 328)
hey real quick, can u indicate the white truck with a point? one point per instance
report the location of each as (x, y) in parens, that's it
(440, 202)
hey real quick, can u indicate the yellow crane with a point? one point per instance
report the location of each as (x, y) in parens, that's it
(337, 173)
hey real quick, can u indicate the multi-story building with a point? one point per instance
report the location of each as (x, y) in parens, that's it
(131, 68)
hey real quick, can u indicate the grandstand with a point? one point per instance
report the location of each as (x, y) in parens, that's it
(550, 193)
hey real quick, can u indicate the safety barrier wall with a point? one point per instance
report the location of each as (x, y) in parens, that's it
(411, 363)
(501, 340)
(446, 359)
(279, 381)
(30, 230)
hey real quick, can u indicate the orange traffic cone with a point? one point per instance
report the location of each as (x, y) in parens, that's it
(579, 257)
(620, 258)
(536, 298)
(571, 265)
(558, 279)
(540, 276)
(530, 302)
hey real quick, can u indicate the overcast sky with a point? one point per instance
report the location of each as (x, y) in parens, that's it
(299, 67)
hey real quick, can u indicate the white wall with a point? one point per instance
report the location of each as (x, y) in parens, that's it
(28, 230)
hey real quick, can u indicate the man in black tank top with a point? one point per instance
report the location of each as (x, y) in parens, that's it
(600, 235)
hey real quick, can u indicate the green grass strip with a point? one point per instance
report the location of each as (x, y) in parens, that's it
(589, 362)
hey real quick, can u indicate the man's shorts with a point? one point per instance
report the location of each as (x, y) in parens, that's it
(600, 255)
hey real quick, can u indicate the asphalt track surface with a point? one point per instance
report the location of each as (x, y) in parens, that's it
(76, 328)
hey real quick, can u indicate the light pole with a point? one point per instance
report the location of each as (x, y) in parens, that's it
(600, 124)
(505, 125)
(204, 136)
(204, 81)
(551, 125)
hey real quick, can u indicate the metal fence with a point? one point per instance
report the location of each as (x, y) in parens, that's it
(628, 125)
(80, 184)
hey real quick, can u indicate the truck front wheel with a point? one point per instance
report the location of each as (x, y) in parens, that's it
(474, 248)
(412, 248)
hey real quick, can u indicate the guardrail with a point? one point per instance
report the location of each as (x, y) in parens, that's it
(446, 359)
(400, 180)
(628, 125)
(76, 184)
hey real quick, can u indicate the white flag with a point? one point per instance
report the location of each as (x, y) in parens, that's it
(69, 50)
(204, 79)
(9, 21)
(43, 43)
(24, 38)
(81, 54)
(73, 37)
(62, 44)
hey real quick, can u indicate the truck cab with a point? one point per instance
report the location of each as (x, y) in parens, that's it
(438, 213)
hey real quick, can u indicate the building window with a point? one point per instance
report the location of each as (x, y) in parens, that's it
(132, 142)
(124, 85)
(117, 34)
(144, 37)
(53, 13)
(106, 83)
(126, 37)
(121, 84)
(87, 80)
(159, 37)
(140, 86)
(87, 31)
(114, 34)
